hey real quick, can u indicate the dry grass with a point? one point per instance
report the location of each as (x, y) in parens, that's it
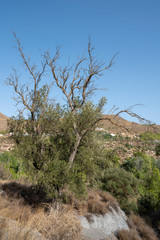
(144, 230)
(20, 222)
(139, 230)
(23, 216)
(98, 203)
(97, 207)
(58, 225)
(128, 235)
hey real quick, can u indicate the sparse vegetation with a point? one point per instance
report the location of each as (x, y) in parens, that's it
(19, 221)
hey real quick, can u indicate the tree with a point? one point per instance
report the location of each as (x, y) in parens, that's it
(76, 84)
(53, 140)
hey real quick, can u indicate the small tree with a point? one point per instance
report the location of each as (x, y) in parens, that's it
(55, 141)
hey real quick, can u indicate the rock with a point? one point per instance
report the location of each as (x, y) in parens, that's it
(102, 227)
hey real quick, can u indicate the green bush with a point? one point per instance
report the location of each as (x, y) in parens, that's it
(149, 136)
(122, 185)
(146, 169)
(157, 149)
(4, 173)
(12, 163)
(139, 164)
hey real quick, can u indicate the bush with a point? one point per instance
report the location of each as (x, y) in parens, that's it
(12, 163)
(4, 173)
(146, 169)
(122, 185)
(149, 136)
(157, 149)
(22, 223)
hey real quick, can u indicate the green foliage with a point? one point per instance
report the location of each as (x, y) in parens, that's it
(111, 158)
(139, 165)
(146, 169)
(149, 136)
(45, 155)
(10, 161)
(4, 173)
(157, 149)
(128, 146)
(3, 132)
(120, 184)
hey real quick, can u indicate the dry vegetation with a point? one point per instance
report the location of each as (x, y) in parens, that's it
(29, 210)
(139, 230)
(21, 221)
(22, 216)
(98, 202)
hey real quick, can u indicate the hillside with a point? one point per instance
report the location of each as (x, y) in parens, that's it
(3, 122)
(134, 128)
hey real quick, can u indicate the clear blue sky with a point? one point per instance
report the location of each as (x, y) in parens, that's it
(131, 28)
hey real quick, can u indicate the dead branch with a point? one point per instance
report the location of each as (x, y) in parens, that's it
(75, 82)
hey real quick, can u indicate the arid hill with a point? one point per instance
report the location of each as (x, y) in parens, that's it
(3, 122)
(134, 128)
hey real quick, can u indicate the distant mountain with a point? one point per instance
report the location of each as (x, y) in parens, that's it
(3, 122)
(133, 127)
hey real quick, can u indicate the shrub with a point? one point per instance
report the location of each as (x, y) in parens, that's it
(149, 136)
(139, 230)
(146, 169)
(4, 173)
(157, 149)
(144, 230)
(121, 184)
(128, 235)
(58, 224)
(12, 163)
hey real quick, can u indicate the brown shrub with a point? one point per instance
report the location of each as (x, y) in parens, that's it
(128, 235)
(2, 227)
(109, 199)
(81, 206)
(58, 224)
(98, 202)
(97, 207)
(144, 230)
